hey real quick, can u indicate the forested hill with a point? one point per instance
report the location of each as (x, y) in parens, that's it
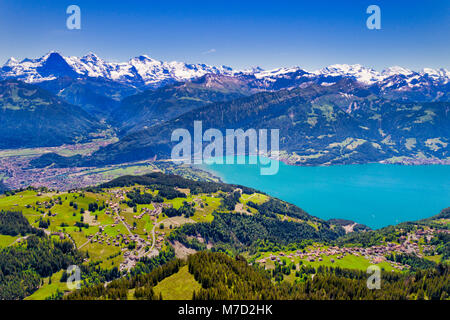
(216, 276)
(168, 180)
(31, 116)
(172, 183)
(152, 107)
(336, 124)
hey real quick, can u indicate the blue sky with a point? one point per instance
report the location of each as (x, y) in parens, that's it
(309, 34)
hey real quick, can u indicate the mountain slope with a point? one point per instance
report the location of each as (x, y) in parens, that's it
(31, 116)
(97, 96)
(164, 217)
(152, 107)
(342, 123)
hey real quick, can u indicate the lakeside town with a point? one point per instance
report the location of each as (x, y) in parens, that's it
(16, 171)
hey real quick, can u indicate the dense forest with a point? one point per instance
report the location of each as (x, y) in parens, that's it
(23, 266)
(226, 278)
(159, 180)
(246, 232)
(136, 197)
(147, 275)
(274, 207)
(14, 223)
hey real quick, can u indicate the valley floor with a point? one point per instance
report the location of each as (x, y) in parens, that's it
(16, 173)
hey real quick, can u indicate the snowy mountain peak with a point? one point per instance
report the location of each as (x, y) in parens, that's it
(91, 57)
(436, 72)
(11, 62)
(52, 55)
(357, 71)
(278, 72)
(396, 70)
(252, 70)
(144, 71)
(144, 57)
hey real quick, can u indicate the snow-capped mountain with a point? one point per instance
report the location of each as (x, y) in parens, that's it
(357, 71)
(360, 73)
(141, 71)
(394, 83)
(145, 72)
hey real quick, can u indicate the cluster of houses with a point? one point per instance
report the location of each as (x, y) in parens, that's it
(375, 254)
(119, 194)
(62, 179)
(154, 214)
(159, 239)
(102, 238)
(130, 260)
(131, 257)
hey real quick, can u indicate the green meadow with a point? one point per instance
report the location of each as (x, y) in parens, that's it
(179, 286)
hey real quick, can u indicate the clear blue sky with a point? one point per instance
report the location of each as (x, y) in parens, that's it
(310, 34)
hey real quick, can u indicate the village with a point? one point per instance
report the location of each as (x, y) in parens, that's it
(374, 254)
(136, 246)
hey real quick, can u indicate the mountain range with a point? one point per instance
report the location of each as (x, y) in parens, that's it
(145, 72)
(338, 124)
(141, 71)
(338, 114)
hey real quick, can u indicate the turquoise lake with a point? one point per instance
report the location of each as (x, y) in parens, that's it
(376, 195)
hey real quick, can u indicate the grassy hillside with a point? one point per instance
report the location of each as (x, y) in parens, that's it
(135, 224)
(179, 286)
